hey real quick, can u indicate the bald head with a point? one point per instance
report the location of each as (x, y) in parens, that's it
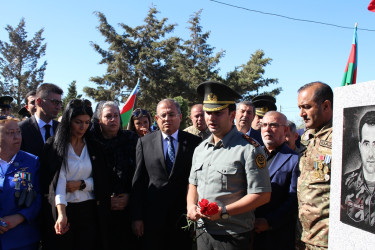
(274, 128)
(197, 117)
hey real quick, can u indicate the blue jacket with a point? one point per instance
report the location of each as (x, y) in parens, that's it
(27, 232)
(281, 211)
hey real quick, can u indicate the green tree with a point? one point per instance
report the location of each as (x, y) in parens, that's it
(142, 52)
(184, 110)
(248, 78)
(72, 93)
(195, 61)
(19, 62)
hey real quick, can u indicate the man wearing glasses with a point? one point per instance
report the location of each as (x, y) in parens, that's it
(315, 101)
(276, 221)
(163, 162)
(357, 197)
(37, 129)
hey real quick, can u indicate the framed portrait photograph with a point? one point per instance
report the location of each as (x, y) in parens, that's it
(352, 197)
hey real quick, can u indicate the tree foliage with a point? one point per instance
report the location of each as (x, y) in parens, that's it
(72, 93)
(195, 61)
(19, 62)
(142, 52)
(248, 78)
(168, 66)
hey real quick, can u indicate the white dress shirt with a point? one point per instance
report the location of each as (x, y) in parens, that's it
(41, 124)
(166, 143)
(78, 168)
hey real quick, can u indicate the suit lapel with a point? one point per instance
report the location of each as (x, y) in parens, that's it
(159, 150)
(36, 130)
(179, 151)
(278, 161)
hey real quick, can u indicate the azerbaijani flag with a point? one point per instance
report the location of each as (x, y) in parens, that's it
(127, 110)
(350, 75)
(371, 6)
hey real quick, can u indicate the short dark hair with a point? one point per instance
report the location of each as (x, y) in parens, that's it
(232, 107)
(292, 126)
(46, 88)
(368, 118)
(322, 93)
(247, 103)
(30, 93)
(137, 114)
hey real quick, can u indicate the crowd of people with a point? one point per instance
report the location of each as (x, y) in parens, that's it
(87, 183)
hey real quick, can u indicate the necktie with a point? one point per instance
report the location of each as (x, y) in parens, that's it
(170, 155)
(47, 134)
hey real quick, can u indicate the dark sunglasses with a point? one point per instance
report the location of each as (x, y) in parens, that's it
(3, 117)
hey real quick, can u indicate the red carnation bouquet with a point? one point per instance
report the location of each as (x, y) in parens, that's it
(208, 208)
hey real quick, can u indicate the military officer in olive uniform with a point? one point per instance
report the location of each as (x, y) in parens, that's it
(357, 197)
(228, 168)
(315, 103)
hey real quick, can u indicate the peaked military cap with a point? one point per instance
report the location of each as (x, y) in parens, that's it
(24, 112)
(263, 104)
(217, 96)
(5, 102)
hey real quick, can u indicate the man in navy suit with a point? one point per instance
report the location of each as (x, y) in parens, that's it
(245, 113)
(158, 200)
(36, 130)
(276, 221)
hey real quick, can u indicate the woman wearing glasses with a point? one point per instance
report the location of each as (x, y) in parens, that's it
(140, 122)
(72, 167)
(119, 147)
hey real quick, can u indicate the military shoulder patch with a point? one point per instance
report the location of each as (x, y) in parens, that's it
(251, 140)
(326, 144)
(260, 160)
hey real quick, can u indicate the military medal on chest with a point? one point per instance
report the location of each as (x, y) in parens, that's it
(322, 167)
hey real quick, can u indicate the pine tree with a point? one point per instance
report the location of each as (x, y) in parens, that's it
(142, 52)
(19, 62)
(248, 79)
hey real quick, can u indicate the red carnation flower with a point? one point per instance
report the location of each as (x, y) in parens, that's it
(208, 208)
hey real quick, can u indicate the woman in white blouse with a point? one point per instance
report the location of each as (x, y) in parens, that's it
(79, 182)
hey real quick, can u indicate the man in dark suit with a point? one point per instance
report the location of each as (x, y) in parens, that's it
(276, 221)
(245, 113)
(38, 128)
(160, 182)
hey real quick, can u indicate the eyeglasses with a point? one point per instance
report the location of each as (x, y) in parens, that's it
(139, 112)
(3, 117)
(170, 115)
(54, 101)
(272, 125)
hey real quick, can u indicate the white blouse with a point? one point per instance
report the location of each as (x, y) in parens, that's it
(79, 168)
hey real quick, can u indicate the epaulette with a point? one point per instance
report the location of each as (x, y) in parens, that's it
(251, 140)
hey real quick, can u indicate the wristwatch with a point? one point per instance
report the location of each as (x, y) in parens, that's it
(224, 214)
(83, 185)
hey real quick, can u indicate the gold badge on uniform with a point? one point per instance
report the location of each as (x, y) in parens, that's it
(260, 160)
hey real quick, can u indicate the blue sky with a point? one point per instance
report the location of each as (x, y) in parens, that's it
(302, 52)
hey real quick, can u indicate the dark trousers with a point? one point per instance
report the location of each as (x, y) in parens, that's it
(83, 230)
(206, 241)
(168, 238)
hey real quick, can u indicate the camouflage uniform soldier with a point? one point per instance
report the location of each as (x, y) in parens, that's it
(315, 102)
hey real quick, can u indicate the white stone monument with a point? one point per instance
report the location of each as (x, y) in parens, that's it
(352, 205)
